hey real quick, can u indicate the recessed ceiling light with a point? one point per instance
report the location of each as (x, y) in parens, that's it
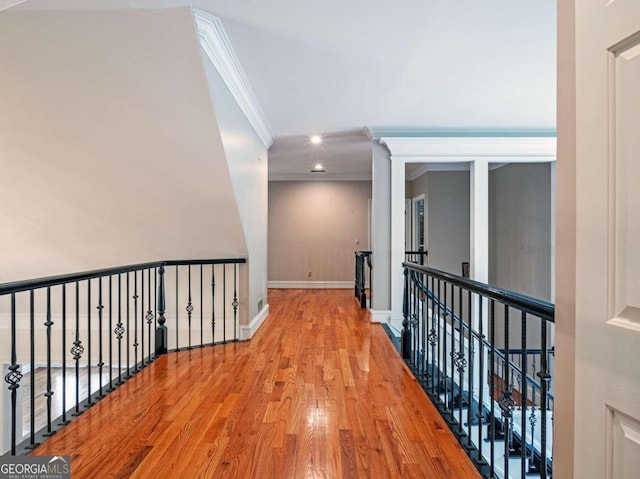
(316, 140)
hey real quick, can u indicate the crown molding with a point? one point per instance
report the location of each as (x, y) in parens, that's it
(217, 47)
(319, 177)
(444, 149)
(378, 132)
(412, 175)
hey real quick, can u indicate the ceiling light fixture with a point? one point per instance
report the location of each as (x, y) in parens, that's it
(318, 168)
(316, 140)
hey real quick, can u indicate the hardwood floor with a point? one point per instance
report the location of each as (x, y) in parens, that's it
(318, 392)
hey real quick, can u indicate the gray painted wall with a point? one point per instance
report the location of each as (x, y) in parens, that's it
(520, 228)
(447, 204)
(316, 226)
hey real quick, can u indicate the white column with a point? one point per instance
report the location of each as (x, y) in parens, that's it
(397, 240)
(479, 228)
(479, 267)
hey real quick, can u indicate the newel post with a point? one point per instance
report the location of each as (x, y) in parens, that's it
(405, 334)
(161, 330)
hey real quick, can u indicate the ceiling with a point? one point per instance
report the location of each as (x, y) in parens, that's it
(333, 67)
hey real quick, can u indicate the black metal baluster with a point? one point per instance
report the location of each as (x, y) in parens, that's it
(433, 337)
(14, 376)
(235, 303)
(64, 354)
(89, 403)
(189, 307)
(142, 319)
(49, 392)
(77, 349)
(523, 395)
(424, 318)
(462, 362)
(443, 329)
(155, 297)
(481, 379)
(471, 367)
(161, 330)
(413, 295)
(110, 331)
(224, 303)
(452, 352)
(128, 328)
(177, 302)
(201, 306)
(405, 335)
(492, 378)
(32, 376)
(544, 384)
(506, 400)
(119, 329)
(438, 342)
(149, 313)
(532, 422)
(213, 303)
(100, 307)
(135, 319)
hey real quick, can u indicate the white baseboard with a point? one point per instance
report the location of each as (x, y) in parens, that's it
(395, 324)
(311, 284)
(247, 332)
(380, 316)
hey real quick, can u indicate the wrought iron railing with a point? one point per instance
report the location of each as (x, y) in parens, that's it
(69, 340)
(418, 257)
(483, 355)
(363, 277)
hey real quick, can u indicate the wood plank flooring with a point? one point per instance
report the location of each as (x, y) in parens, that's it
(319, 392)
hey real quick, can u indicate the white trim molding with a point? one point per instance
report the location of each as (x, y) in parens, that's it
(247, 331)
(422, 150)
(443, 152)
(380, 316)
(310, 284)
(217, 47)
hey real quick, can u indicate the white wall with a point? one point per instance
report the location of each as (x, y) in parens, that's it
(520, 228)
(316, 226)
(107, 144)
(247, 160)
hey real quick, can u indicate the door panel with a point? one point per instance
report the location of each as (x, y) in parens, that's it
(607, 295)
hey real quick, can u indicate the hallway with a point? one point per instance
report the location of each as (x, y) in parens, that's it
(318, 392)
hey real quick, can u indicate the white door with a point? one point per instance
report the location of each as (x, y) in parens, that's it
(607, 314)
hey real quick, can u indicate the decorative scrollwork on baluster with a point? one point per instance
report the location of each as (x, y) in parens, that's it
(433, 338)
(506, 403)
(13, 377)
(149, 317)
(119, 331)
(77, 350)
(459, 361)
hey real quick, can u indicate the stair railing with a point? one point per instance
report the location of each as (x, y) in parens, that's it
(363, 277)
(67, 341)
(461, 339)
